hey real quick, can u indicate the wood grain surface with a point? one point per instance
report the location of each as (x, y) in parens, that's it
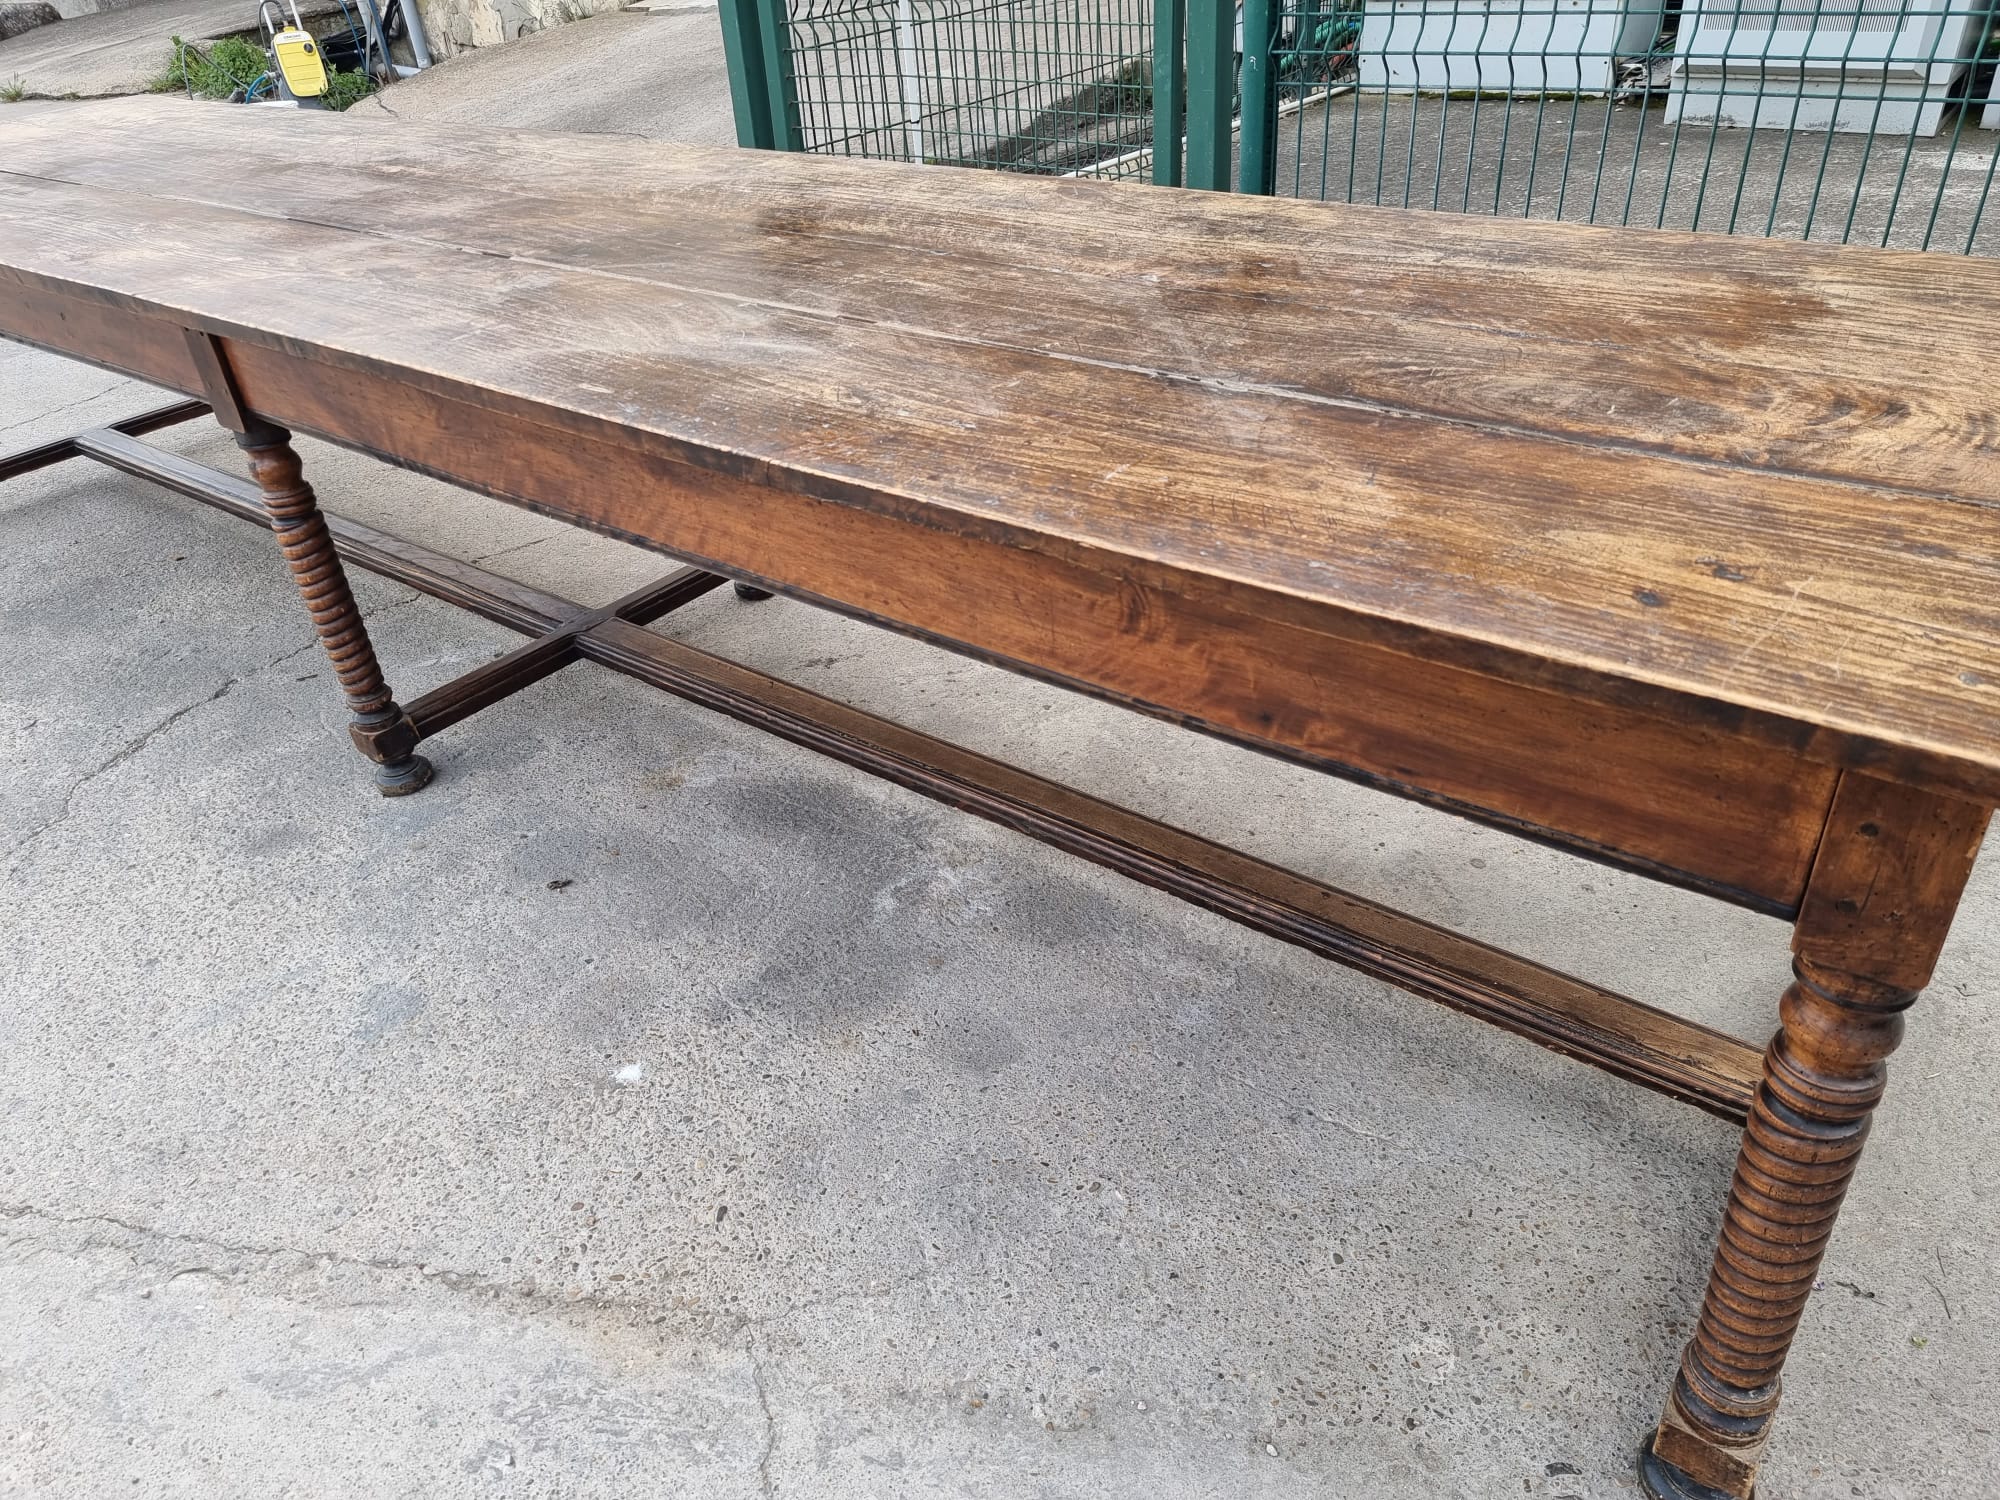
(1887, 882)
(1743, 486)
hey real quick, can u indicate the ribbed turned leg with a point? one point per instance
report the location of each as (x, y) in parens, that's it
(1823, 1077)
(380, 729)
(1892, 864)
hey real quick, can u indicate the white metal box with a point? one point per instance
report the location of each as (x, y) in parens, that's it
(1881, 66)
(1503, 46)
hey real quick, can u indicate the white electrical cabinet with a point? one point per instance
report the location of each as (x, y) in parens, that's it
(1503, 46)
(1881, 66)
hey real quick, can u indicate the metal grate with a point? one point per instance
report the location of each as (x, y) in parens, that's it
(1804, 15)
(1046, 86)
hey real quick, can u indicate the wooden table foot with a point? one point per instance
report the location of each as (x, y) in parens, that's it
(380, 729)
(1662, 1481)
(395, 775)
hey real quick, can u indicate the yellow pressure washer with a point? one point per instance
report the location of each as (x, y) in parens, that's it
(297, 54)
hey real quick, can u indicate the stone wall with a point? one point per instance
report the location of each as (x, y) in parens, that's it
(15, 19)
(454, 25)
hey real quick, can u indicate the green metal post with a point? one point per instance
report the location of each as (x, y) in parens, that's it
(749, 90)
(1169, 89)
(1257, 167)
(781, 83)
(1211, 88)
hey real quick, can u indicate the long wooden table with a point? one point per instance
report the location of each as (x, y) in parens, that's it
(1678, 552)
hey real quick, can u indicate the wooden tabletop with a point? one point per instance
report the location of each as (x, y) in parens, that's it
(1754, 484)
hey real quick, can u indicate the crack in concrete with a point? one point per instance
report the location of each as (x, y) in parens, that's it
(131, 748)
(517, 547)
(881, 1292)
(210, 1257)
(525, 1290)
(116, 385)
(764, 1485)
(137, 744)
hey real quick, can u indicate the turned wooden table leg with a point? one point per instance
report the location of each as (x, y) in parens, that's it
(1823, 1077)
(380, 729)
(1883, 890)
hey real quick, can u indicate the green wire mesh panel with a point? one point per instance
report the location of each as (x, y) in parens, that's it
(1045, 86)
(1874, 121)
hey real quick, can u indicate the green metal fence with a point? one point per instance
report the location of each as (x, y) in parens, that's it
(1875, 121)
(1045, 86)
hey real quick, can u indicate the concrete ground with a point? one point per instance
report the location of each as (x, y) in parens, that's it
(659, 75)
(650, 1107)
